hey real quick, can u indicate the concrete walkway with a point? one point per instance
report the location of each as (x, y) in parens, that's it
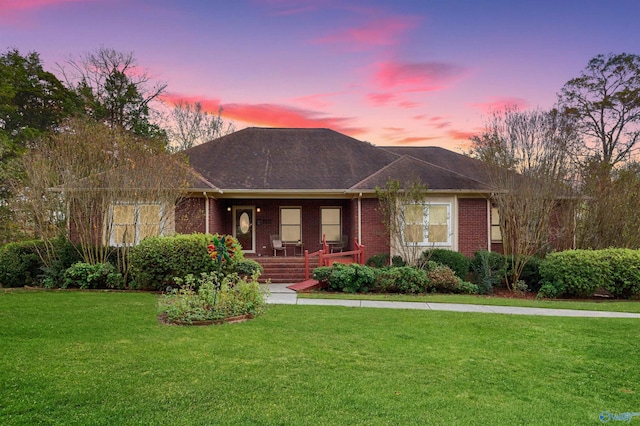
(281, 295)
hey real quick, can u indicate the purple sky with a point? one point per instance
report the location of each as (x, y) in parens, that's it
(419, 72)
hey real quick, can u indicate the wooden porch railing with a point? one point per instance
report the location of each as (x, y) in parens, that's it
(324, 255)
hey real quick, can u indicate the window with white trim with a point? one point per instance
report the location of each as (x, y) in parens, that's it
(331, 223)
(133, 222)
(291, 224)
(427, 224)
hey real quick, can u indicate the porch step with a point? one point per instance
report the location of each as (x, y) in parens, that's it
(305, 286)
(283, 269)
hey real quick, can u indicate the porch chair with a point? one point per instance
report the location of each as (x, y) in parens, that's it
(341, 245)
(276, 245)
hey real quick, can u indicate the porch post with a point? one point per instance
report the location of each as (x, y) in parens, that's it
(360, 218)
(206, 213)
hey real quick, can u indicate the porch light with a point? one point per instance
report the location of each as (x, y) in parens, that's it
(228, 209)
(258, 209)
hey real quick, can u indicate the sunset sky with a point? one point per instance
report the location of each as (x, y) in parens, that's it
(391, 72)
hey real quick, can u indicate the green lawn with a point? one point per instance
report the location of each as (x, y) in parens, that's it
(72, 357)
(602, 305)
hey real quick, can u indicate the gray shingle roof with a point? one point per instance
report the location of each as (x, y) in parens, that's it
(261, 159)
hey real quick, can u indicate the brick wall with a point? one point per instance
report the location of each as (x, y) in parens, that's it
(374, 233)
(473, 225)
(190, 216)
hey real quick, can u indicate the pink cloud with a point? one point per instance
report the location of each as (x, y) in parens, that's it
(269, 115)
(417, 76)
(377, 32)
(500, 103)
(316, 101)
(380, 99)
(416, 139)
(8, 6)
(460, 135)
(409, 104)
(12, 10)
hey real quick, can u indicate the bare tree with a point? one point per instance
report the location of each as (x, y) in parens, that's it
(402, 208)
(102, 185)
(605, 100)
(192, 126)
(529, 163)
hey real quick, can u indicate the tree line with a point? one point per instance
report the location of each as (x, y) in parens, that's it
(569, 177)
(99, 111)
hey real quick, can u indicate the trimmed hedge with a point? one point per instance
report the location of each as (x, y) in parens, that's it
(457, 261)
(156, 261)
(579, 273)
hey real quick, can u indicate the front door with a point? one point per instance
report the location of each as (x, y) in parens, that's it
(243, 227)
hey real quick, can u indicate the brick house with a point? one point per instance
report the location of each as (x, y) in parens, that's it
(298, 184)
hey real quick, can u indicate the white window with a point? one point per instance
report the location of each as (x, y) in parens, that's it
(291, 224)
(133, 222)
(331, 223)
(427, 224)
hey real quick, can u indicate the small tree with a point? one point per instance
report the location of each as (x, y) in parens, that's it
(76, 180)
(396, 207)
(529, 163)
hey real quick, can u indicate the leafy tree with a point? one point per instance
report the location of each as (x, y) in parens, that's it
(115, 91)
(529, 164)
(193, 126)
(32, 101)
(605, 101)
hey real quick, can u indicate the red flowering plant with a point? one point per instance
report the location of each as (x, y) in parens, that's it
(226, 252)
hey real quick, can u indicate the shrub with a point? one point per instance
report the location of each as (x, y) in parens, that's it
(467, 288)
(488, 270)
(378, 260)
(531, 274)
(20, 264)
(403, 279)
(458, 262)
(443, 278)
(351, 278)
(84, 275)
(156, 261)
(579, 273)
(248, 267)
(213, 296)
(322, 273)
(397, 261)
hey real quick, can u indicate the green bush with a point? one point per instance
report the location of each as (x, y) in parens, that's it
(351, 278)
(397, 261)
(156, 261)
(458, 262)
(322, 273)
(248, 267)
(213, 296)
(84, 275)
(531, 274)
(579, 273)
(488, 270)
(402, 279)
(442, 278)
(378, 260)
(20, 264)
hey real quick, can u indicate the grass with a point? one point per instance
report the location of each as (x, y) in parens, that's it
(632, 306)
(73, 357)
